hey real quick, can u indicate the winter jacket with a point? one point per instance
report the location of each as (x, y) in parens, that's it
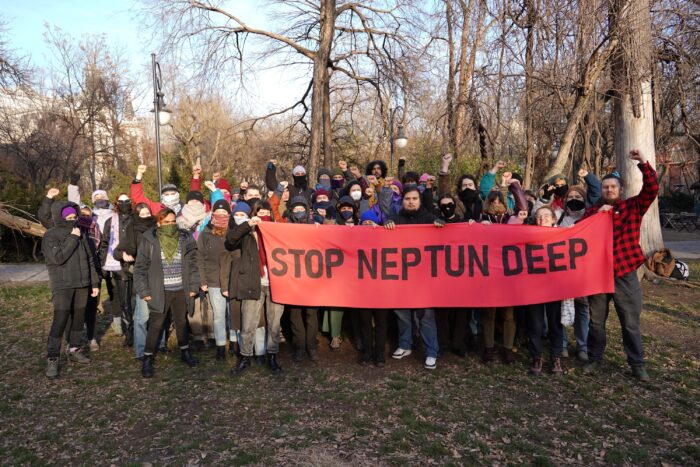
(246, 271)
(148, 270)
(209, 250)
(271, 183)
(412, 218)
(69, 260)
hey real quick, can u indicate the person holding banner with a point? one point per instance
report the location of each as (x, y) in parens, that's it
(545, 216)
(413, 212)
(252, 287)
(627, 217)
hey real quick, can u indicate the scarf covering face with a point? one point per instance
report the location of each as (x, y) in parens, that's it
(191, 215)
(220, 221)
(168, 237)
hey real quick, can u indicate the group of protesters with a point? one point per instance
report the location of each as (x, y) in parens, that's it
(199, 265)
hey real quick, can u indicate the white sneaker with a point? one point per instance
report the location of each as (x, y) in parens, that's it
(430, 363)
(94, 346)
(400, 353)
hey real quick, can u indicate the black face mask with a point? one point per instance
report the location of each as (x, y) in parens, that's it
(252, 201)
(337, 184)
(300, 181)
(575, 205)
(101, 204)
(124, 207)
(346, 215)
(447, 210)
(561, 190)
(468, 195)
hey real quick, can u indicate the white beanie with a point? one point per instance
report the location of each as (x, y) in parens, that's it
(298, 169)
(97, 193)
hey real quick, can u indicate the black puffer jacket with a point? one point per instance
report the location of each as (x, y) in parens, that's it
(245, 274)
(148, 270)
(68, 257)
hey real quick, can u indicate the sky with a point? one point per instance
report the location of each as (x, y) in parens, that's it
(267, 90)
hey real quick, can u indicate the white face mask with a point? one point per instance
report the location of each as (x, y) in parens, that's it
(240, 219)
(170, 200)
(356, 195)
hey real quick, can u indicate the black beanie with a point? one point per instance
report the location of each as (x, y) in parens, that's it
(221, 204)
(195, 195)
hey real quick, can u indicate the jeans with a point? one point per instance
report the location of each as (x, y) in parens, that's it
(68, 305)
(425, 322)
(141, 314)
(218, 306)
(176, 306)
(581, 321)
(536, 315)
(251, 310)
(628, 305)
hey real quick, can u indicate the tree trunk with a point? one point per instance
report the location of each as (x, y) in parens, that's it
(327, 124)
(633, 107)
(451, 130)
(321, 59)
(529, 145)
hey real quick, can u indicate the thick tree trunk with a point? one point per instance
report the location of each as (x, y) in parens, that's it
(451, 130)
(327, 124)
(633, 107)
(529, 144)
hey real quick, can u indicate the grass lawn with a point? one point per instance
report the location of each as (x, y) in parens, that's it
(338, 413)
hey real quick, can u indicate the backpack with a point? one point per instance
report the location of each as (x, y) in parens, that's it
(662, 263)
(681, 271)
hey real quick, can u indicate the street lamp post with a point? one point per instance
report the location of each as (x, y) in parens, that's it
(400, 141)
(162, 114)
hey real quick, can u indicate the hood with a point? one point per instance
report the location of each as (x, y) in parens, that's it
(56, 208)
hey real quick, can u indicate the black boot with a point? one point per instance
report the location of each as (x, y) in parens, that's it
(233, 348)
(221, 352)
(272, 363)
(186, 356)
(147, 366)
(243, 364)
(129, 336)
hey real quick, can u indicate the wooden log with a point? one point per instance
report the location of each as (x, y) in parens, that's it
(21, 224)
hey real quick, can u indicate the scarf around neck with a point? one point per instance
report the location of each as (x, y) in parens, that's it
(168, 237)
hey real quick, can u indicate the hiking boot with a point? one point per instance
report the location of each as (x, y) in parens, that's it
(430, 363)
(508, 356)
(94, 346)
(536, 366)
(487, 356)
(365, 360)
(335, 343)
(400, 353)
(272, 363)
(221, 352)
(582, 356)
(260, 359)
(298, 355)
(556, 366)
(313, 355)
(243, 364)
(592, 367)
(640, 373)
(76, 356)
(147, 366)
(52, 367)
(164, 349)
(186, 356)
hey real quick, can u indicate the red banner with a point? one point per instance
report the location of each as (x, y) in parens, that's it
(422, 266)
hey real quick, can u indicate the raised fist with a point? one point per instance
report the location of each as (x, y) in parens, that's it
(210, 185)
(196, 171)
(75, 231)
(447, 158)
(273, 162)
(140, 171)
(636, 155)
(582, 173)
(343, 165)
(285, 184)
(52, 193)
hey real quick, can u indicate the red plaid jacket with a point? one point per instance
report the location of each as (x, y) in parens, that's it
(627, 222)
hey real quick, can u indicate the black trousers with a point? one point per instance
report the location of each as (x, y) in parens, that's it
(373, 343)
(124, 285)
(114, 299)
(452, 328)
(176, 308)
(536, 315)
(68, 305)
(304, 327)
